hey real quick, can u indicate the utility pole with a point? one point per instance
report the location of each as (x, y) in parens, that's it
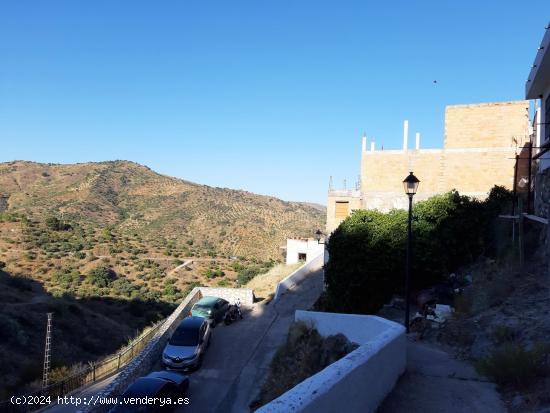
(520, 231)
(514, 199)
(47, 352)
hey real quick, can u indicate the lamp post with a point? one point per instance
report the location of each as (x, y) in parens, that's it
(411, 185)
(318, 235)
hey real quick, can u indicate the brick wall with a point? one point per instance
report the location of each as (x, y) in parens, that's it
(478, 153)
(487, 125)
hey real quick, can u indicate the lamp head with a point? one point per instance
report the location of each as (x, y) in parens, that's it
(410, 184)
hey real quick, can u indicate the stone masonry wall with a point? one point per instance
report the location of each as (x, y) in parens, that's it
(246, 295)
(144, 362)
(542, 194)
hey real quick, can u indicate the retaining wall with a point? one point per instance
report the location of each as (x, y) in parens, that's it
(246, 295)
(299, 275)
(360, 381)
(144, 362)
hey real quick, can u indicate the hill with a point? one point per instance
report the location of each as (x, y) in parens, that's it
(134, 199)
(103, 246)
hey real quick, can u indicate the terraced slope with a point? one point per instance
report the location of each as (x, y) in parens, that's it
(134, 199)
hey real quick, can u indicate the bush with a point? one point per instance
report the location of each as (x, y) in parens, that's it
(101, 276)
(367, 250)
(122, 286)
(304, 353)
(67, 278)
(513, 365)
(55, 224)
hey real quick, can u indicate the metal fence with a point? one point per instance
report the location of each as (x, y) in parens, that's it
(90, 374)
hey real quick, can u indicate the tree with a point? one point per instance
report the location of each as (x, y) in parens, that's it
(55, 224)
(367, 250)
(101, 276)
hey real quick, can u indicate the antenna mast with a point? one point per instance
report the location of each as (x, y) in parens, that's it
(47, 352)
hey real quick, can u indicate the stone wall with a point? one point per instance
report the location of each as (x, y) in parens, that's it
(246, 295)
(542, 194)
(144, 362)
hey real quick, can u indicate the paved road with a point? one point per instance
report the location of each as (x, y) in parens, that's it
(239, 355)
(434, 382)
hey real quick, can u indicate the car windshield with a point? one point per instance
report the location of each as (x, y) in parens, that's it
(185, 337)
(202, 307)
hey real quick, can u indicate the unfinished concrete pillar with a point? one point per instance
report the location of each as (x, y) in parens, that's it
(405, 134)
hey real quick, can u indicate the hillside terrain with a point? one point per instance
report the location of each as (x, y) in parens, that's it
(102, 245)
(136, 200)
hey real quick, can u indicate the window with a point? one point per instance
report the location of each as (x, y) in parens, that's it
(342, 209)
(547, 118)
(301, 256)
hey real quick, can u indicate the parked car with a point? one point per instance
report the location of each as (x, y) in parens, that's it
(160, 384)
(186, 348)
(211, 308)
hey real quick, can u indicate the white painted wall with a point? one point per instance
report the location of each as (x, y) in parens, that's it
(300, 274)
(358, 382)
(309, 247)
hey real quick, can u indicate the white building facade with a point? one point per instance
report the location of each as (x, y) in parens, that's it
(537, 88)
(302, 250)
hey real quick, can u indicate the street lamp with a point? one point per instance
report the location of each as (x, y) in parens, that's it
(318, 235)
(411, 186)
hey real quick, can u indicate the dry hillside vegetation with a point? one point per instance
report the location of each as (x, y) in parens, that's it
(102, 245)
(136, 200)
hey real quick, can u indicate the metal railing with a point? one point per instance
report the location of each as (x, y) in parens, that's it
(93, 372)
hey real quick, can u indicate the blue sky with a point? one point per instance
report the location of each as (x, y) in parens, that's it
(270, 97)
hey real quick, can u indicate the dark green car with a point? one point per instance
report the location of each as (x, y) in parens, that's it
(211, 308)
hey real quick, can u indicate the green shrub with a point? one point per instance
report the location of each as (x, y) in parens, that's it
(80, 255)
(170, 289)
(101, 276)
(55, 224)
(122, 286)
(367, 250)
(67, 278)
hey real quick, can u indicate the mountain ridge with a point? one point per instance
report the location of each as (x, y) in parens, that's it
(133, 197)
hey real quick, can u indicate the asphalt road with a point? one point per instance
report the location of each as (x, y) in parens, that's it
(239, 355)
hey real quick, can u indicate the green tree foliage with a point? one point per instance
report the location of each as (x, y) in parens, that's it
(101, 276)
(67, 278)
(367, 251)
(55, 224)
